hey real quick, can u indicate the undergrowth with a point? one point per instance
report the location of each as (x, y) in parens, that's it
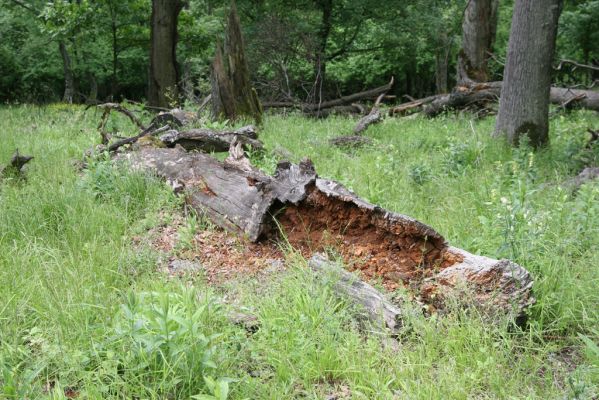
(85, 313)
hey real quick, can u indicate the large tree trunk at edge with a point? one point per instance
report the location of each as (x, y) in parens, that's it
(524, 102)
(164, 74)
(232, 93)
(478, 35)
(69, 80)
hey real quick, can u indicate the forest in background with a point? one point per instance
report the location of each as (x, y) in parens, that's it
(290, 45)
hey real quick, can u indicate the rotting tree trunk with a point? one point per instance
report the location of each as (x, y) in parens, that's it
(481, 94)
(478, 35)
(69, 80)
(317, 214)
(232, 93)
(524, 103)
(164, 74)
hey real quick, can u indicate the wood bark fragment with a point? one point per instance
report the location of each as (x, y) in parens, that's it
(376, 308)
(208, 140)
(15, 168)
(317, 213)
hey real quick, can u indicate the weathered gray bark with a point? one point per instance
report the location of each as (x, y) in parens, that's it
(377, 309)
(69, 80)
(232, 93)
(315, 213)
(524, 103)
(374, 116)
(478, 35)
(481, 94)
(208, 140)
(164, 74)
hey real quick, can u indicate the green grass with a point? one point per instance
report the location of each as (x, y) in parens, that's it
(83, 309)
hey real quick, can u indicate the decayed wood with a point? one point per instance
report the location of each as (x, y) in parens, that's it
(232, 93)
(481, 94)
(375, 306)
(130, 140)
(208, 140)
(374, 116)
(17, 162)
(175, 118)
(316, 212)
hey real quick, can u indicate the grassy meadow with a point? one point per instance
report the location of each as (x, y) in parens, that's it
(85, 313)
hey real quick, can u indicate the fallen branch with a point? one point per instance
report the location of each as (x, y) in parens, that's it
(576, 65)
(373, 117)
(344, 100)
(108, 107)
(208, 140)
(130, 140)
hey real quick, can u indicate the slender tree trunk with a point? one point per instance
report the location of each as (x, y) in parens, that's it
(442, 62)
(524, 102)
(164, 74)
(320, 60)
(69, 81)
(478, 35)
(114, 83)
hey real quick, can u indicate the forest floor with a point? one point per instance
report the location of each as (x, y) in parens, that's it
(110, 289)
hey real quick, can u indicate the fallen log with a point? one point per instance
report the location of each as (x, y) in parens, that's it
(376, 308)
(208, 140)
(316, 214)
(481, 94)
(341, 101)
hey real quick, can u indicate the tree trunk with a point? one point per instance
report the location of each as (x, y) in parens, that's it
(480, 94)
(320, 59)
(478, 35)
(317, 214)
(442, 62)
(524, 102)
(232, 93)
(164, 76)
(69, 81)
